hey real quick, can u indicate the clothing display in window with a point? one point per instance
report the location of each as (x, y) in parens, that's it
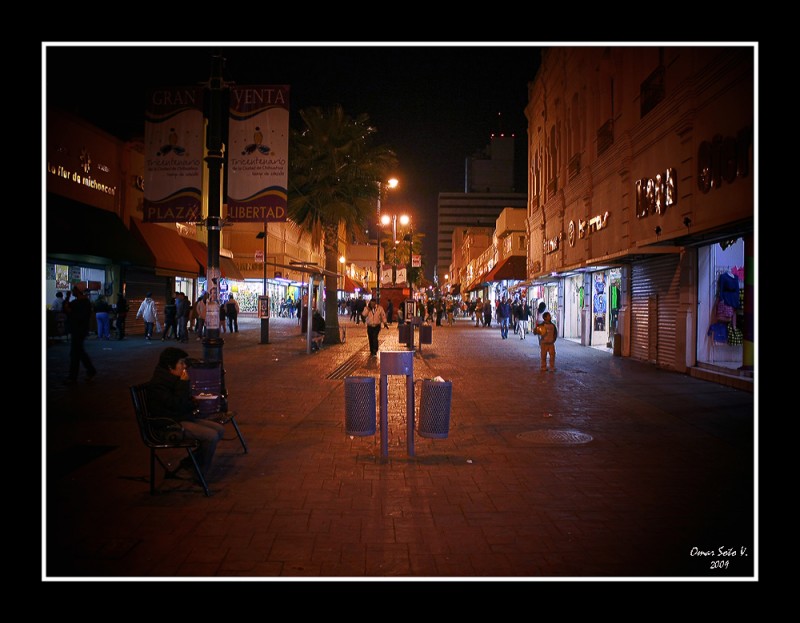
(728, 289)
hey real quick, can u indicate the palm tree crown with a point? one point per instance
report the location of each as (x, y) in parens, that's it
(334, 175)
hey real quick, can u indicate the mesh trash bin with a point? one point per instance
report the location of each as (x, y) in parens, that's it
(402, 332)
(359, 406)
(426, 334)
(434, 409)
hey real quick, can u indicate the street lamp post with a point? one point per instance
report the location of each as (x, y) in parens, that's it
(342, 260)
(404, 220)
(410, 257)
(392, 183)
(212, 344)
(264, 320)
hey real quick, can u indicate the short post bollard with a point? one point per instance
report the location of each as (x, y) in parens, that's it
(399, 363)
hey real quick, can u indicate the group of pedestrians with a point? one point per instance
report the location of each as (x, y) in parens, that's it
(519, 314)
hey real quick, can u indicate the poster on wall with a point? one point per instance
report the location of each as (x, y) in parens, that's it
(62, 277)
(174, 158)
(258, 156)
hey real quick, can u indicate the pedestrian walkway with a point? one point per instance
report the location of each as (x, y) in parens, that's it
(606, 468)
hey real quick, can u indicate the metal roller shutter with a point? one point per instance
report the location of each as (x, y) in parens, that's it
(138, 284)
(654, 308)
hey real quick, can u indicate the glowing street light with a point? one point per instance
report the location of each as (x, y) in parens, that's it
(390, 184)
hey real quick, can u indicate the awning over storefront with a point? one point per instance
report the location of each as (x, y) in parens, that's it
(172, 256)
(352, 285)
(512, 267)
(477, 283)
(455, 289)
(200, 252)
(83, 234)
(229, 269)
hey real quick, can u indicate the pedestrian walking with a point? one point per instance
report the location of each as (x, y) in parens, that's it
(58, 303)
(487, 313)
(149, 313)
(181, 316)
(375, 318)
(222, 317)
(523, 318)
(102, 316)
(548, 334)
(504, 317)
(170, 320)
(200, 313)
(79, 311)
(232, 314)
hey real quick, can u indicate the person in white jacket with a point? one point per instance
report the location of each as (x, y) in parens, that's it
(149, 313)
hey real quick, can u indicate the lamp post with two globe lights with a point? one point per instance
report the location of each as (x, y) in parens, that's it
(390, 184)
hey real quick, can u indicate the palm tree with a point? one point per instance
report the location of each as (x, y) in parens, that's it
(400, 255)
(334, 180)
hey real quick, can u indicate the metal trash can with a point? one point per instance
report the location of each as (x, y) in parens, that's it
(402, 332)
(359, 406)
(426, 334)
(434, 409)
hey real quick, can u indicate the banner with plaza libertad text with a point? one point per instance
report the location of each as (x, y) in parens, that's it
(258, 155)
(173, 143)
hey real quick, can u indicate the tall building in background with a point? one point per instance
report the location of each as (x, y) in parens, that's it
(488, 189)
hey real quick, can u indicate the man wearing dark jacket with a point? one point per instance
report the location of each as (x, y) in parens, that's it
(79, 313)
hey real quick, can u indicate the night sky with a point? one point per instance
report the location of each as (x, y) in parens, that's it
(434, 105)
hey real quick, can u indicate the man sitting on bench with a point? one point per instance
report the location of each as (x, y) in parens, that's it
(317, 330)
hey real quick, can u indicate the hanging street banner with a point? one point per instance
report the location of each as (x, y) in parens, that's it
(386, 275)
(258, 153)
(173, 150)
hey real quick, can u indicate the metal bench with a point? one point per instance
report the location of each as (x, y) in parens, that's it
(162, 434)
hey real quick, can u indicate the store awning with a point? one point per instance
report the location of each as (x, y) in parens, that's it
(351, 285)
(199, 250)
(455, 289)
(477, 283)
(172, 256)
(512, 267)
(80, 233)
(229, 269)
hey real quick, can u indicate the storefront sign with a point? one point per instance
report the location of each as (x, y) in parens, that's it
(85, 178)
(723, 159)
(584, 228)
(551, 244)
(655, 195)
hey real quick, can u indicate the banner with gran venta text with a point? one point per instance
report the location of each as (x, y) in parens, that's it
(173, 143)
(258, 154)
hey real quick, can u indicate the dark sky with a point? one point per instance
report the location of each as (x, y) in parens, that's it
(435, 105)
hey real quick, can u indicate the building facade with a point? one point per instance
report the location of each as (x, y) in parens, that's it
(641, 202)
(488, 188)
(96, 237)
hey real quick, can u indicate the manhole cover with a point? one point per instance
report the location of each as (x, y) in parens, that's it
(555, 437)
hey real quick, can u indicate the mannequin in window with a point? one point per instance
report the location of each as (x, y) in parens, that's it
(728, 288)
